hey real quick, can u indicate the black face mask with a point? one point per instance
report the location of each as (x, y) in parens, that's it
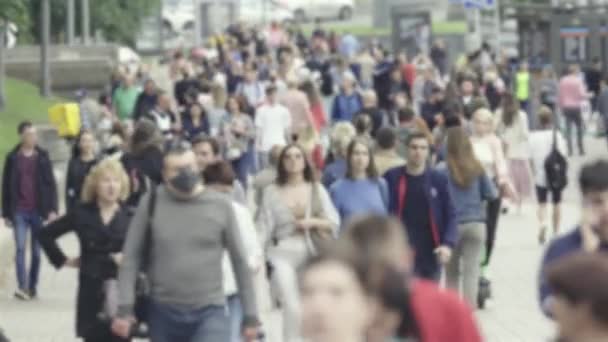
(185, 181)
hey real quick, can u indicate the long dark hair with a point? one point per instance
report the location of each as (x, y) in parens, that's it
(76, 153)
(283, 176)
(371, 170)
(510, 109)
(462, 163)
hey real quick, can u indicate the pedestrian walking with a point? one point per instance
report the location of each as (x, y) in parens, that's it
(82, 160)
(143, 161)
(29, 201)
(335, 300)
(470, 188)
(208, 151)
(489, 151)
(602, 106)
(577, 306)
(194, 121)
(297, 218)
(347, 103)
(273, 126)
(362, 191)
(237, 134)
(220, 177)
(590, 235)
(146, 100)
(522, 87)
(385, 154)
(542, 143)
(341, 135)
(407, 307)
(100, 222)
(513, 129)
(186, 298)
(124, 99)
(420, 197)
(572, 95)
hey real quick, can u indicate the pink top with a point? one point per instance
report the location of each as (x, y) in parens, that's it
(298, 105)
(572, 92)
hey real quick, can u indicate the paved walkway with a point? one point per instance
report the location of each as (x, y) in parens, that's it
(512, 316)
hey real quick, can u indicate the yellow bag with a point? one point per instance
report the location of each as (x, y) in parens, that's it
(66, 118)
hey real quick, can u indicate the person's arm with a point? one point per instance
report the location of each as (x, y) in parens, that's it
(70, 195)
(264, 218)
(52, 187)
(334, 194)
(487, 188)
(49, 235)
(6, 188)
(331, 219)
(449, 220)
(242, 272)
(133, 250)
(335, 110)
(238, 193)
(249, 235)
(554, 252)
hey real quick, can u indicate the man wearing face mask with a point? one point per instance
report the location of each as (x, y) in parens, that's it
(184, 230)
(592, 233)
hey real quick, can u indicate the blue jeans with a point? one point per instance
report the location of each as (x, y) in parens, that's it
(24, 221)
(241, 167)
(172, 323)
(235, 312)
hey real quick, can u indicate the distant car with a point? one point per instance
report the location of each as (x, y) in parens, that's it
(260, 11)
(304, 10)
(179, 16)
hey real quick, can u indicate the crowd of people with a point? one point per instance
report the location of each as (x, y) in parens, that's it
(334, 181)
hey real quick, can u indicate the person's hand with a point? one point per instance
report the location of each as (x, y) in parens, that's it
(589, 237)
(72, 263)
(121, 327)
(52, 217)
(250, 334)
(304, 224)
(117, 258)
(443, 253)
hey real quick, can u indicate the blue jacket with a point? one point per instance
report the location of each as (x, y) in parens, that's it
(346, 106)
(559, 248)
(468, 202)
(443, 213)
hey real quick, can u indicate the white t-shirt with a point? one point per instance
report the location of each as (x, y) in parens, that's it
(541, 144)
(272, 123)
(516, 136)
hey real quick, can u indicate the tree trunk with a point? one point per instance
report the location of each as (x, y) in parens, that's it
(3, 24)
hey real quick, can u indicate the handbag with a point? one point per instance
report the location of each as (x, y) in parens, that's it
(317, 240)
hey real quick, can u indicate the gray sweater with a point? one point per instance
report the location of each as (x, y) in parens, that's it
(185, 266)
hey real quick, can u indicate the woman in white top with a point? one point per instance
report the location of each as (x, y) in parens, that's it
(512, 127)
(295, 211)
(489, 151)
(541, 144)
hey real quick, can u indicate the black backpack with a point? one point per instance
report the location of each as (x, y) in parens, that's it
(556, 167)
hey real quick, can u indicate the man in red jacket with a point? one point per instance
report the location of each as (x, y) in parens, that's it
(408, 307)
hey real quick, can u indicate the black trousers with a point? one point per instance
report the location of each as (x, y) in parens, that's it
(492, 215)
(574, 116)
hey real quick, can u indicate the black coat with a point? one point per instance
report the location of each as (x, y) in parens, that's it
(46, 187)
(97, 243)
(77, 172)
(142, 168)
(145, 103)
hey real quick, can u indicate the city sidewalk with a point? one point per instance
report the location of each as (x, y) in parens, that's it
(512, 316)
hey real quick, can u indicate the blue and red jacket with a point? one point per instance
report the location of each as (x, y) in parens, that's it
(442, 212)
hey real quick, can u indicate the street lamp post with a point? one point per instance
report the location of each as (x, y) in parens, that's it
(86, 25)
(45, 27)
(70, 18)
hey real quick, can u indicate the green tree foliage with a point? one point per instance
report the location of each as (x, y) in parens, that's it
(14, 10)
(119, 20)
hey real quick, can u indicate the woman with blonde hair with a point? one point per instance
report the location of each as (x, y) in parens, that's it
(100, 223)
(341, 135)
(489, 151)
(470, 187)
